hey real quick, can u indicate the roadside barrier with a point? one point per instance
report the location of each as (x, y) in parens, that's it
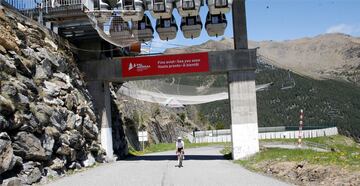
(225, 135)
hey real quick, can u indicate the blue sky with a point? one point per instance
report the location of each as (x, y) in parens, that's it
(276, 20)
(282, 20)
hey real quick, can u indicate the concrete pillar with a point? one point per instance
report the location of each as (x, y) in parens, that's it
(242, 94)
(100, 92)
(48, 25)
(56, 29)
(244, 122)
(40, 17)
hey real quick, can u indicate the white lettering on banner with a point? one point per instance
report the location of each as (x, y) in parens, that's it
(179, 63)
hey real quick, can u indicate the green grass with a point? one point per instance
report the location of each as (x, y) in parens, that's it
(346, 154)
(161, 147)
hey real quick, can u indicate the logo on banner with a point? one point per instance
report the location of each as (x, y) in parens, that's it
(138, 67)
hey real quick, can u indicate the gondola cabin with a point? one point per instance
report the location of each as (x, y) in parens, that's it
(191, 27)
(130, 10)
(219, 6)
(215, 25)
(142, 30)
(166, 28)
(188, 8)
(161, 9)
(119, 30)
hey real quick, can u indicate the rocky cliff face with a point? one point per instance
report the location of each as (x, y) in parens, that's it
(47, 120)
(162, 124)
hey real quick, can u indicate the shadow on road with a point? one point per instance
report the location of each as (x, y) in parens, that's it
(173, 157)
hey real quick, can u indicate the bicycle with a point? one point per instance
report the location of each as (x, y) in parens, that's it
(180, 156)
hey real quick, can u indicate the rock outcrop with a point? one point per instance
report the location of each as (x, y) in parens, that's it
(47, 120)
(162, 124)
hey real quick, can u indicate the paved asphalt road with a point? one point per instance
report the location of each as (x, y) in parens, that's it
(202, 166)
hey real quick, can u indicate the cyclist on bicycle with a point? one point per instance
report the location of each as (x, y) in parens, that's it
(180, 146)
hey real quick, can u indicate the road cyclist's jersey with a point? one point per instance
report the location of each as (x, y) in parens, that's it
(180, 144)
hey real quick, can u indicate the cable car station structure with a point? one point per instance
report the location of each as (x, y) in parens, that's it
(122, 23)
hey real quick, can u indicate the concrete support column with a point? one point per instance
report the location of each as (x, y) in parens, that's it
(242, 94)
(100, 92)
(48, 25)
(40, 17)
(55, 29)
(244, 122)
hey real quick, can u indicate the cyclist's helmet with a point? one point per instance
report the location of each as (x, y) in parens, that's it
(179, 138)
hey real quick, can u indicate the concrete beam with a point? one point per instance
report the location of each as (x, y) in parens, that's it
(219, 62)
(74, 23)
(232, 60)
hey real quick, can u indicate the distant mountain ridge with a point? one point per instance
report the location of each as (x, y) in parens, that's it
(328, 56)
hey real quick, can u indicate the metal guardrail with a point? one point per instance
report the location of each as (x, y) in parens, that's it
(272, 129)
(36, 5)
(307, 127)
(56, 15)
(58, 3)
(225, 136)
(261, 130)
(20, 4)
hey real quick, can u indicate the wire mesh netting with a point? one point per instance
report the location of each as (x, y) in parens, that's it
(174, 94)
(112, 28)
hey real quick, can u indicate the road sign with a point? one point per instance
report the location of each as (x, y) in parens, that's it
(143, 136)
(165, 64)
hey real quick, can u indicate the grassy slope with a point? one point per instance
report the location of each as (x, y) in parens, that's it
(346, 154)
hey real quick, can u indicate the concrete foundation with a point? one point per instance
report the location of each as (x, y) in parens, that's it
(106, 141)
(244, 121)
(100, 92)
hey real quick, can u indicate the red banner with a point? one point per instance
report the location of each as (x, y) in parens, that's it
(165, 64)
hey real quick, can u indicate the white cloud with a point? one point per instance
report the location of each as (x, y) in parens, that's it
(344, 28)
